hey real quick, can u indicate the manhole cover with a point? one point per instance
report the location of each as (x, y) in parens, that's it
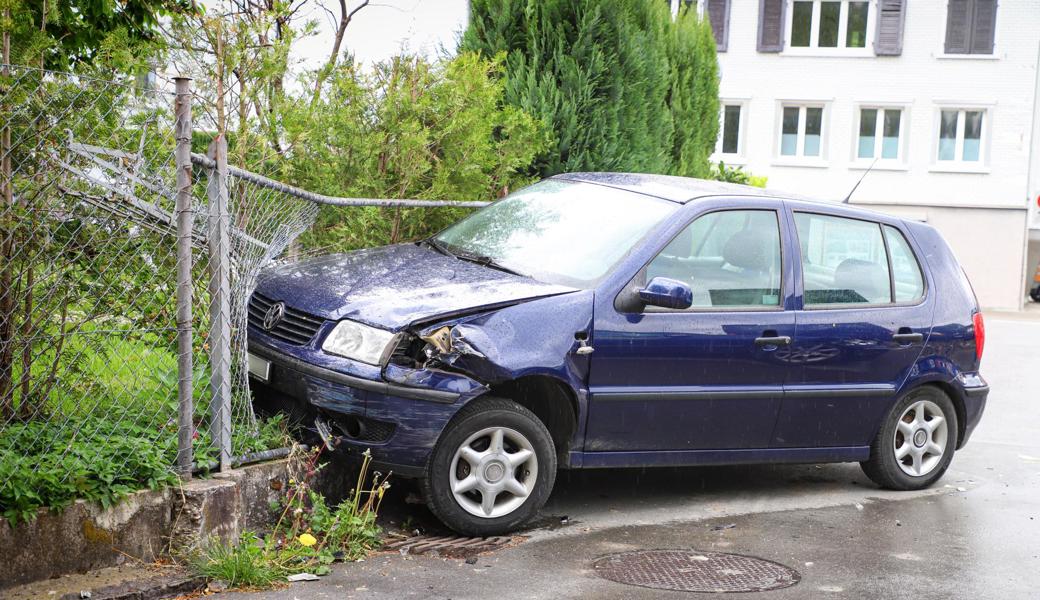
(692, 571)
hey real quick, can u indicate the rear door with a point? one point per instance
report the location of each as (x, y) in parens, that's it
(865, 317)
(707, 377)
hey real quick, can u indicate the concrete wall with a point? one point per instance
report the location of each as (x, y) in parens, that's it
(920, 81)
(147, 524)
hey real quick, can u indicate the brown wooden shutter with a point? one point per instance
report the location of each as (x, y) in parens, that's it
(984, 26)
(718, 15)
(958, 26)
(890, 19)
(771, 25)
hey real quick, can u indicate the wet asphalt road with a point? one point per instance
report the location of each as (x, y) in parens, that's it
(976, 534)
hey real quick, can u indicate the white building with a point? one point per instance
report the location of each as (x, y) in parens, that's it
(939, 95)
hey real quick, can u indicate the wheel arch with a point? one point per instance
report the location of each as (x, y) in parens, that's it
(955, 397)
(958, 405)
(552, 401)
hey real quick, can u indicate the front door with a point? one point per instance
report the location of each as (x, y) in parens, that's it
(707, 377)
(864, 322)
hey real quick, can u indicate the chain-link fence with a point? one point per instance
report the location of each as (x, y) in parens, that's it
(126, 266)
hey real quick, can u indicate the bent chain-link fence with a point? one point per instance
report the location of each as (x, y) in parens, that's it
(126, 266)
(88, 354)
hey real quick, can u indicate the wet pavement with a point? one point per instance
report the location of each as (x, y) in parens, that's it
(976, 534)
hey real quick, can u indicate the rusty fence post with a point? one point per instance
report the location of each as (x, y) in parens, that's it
(184, 216)
(220, 302)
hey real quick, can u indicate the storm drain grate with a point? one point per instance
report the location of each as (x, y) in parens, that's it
(448, 546)
(692, 571)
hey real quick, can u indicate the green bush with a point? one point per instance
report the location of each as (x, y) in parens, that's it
(410, 129)
(737, 175)
(622, 87)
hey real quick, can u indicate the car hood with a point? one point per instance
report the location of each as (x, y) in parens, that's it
(393, 286)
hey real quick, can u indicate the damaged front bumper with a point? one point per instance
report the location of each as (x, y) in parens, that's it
(399, 421)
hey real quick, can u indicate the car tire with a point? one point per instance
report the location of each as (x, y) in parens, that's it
(916, 442)
(491, 453)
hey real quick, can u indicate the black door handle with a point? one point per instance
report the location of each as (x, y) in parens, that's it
(908, 338)
(776, 340)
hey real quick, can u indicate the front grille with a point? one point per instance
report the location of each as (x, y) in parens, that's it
(295, 327)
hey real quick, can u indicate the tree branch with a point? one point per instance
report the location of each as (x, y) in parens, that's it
(341, 29)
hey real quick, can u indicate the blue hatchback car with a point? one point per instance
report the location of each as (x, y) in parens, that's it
(600, 320)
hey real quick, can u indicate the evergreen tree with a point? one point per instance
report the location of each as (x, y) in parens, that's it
(622, 86)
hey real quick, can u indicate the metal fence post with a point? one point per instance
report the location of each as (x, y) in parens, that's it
(220, 302)
(183, 213)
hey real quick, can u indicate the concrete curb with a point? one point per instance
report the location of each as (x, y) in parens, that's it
(166, 586)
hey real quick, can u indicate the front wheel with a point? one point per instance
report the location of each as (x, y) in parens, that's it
(492, 469)
(916, 442)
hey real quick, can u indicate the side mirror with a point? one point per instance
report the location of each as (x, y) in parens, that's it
(667, 293)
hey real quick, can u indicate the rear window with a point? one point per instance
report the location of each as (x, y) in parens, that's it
(906, 271)
(843, 260)
(850, 261)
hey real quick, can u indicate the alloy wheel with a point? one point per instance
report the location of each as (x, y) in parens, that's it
(920, 438)
(493, 472)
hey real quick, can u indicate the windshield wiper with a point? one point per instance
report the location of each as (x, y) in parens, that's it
(439, 247)
(484, 261)
(487, 261)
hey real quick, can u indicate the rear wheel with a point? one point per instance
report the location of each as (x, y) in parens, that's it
(916, 442)
(492, 469)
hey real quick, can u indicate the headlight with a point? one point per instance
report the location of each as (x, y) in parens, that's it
(356, 341)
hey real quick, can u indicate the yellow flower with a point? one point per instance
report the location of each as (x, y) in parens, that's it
(308, 540)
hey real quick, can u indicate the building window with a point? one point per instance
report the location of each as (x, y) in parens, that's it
(717, 12)
(801, 131)
(830, 23)
(880, 133)
(731, 128)
(961, 135)
(971, 26)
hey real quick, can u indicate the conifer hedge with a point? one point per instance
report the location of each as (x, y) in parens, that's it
(621, 85)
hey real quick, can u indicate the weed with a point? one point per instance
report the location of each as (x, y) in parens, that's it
(308, 537)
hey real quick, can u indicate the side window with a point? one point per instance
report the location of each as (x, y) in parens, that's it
(843, 260)
(906, 272)
(728, 258)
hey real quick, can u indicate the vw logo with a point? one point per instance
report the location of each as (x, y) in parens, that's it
(274, 315)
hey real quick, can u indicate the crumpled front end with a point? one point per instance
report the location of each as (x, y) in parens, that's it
(399, 410)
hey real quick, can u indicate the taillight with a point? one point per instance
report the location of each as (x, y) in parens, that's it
(980, 334)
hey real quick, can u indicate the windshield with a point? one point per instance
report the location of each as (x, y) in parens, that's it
(558, 231)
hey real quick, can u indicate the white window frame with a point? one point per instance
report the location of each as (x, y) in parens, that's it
(799, 159)
(898, 163)
(958, 164)
(740, 157)
(814, 34)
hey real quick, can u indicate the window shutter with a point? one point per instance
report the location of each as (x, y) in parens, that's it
(718, 16)
(890, 19)
(771, 25)
(958, 19)
(984, 26)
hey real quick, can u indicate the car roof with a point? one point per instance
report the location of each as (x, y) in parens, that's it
(667, 187)
(686, 189)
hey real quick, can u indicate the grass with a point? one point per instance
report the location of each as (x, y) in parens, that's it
(107, 426)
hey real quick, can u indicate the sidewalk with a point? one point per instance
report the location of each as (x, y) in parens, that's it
(1029, 312)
